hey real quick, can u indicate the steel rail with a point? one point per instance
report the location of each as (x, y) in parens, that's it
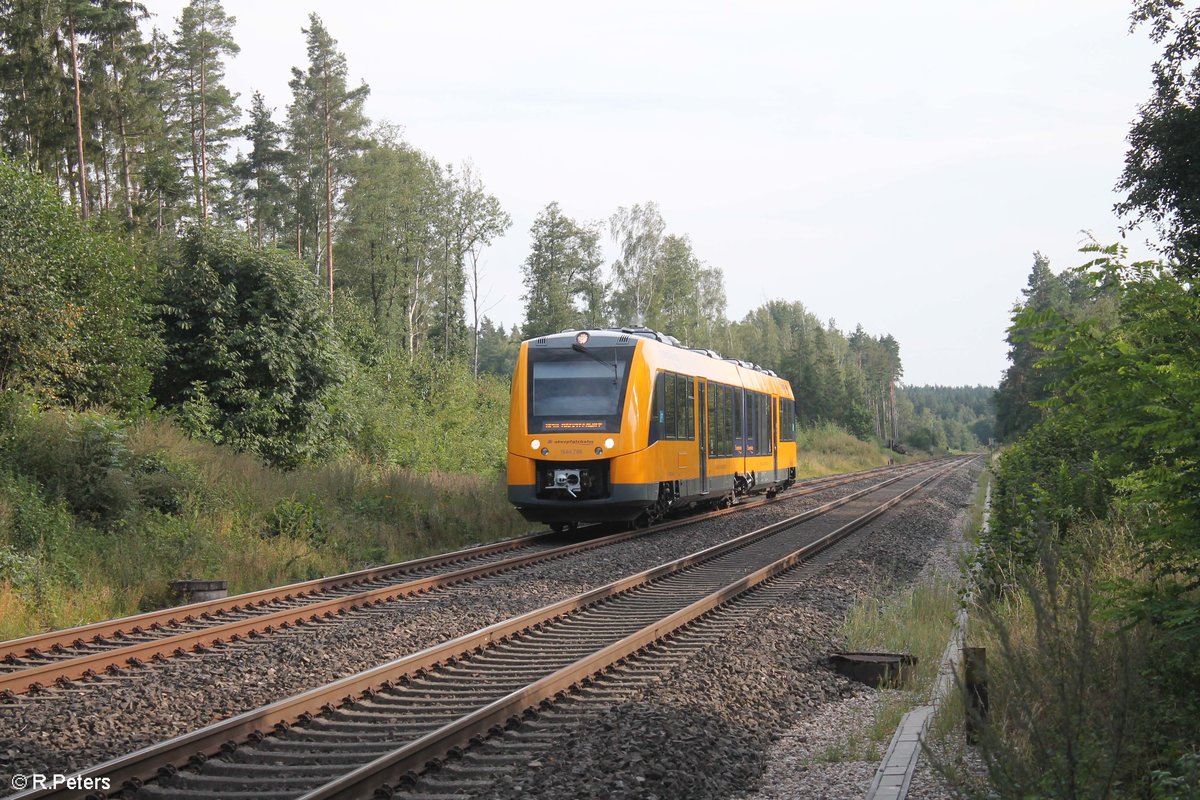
(415, 755)
(71, 668)
(132, 769)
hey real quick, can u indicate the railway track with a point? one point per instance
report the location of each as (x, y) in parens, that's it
(60, 657)
(354, 735)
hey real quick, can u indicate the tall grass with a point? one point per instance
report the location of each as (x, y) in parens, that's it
(917, 619)
(1077, 707)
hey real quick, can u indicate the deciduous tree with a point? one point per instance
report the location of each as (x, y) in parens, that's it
(637, 232)
(389, 245)
(250, 351)
(563, 265)
(74, 324)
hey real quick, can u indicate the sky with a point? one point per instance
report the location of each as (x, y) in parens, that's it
(888, 164)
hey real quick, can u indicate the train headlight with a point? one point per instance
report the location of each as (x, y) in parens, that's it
(535, 444)
(582, 337)
(545, 451)
(599, 451)
(609, 443)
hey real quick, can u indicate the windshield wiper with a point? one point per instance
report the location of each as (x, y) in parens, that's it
(581, 349)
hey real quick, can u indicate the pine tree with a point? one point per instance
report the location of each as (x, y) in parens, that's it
(263, 171)
(76, 18)
(44, 45)
(164, 139)
(327, 120)
(203, 40)
(34, 121)
(125, 104)
(73, 95)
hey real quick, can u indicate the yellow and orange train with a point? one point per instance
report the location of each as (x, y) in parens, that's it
(627, 424)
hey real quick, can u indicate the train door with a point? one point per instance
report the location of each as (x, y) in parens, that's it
(702, 431)
(774, 404)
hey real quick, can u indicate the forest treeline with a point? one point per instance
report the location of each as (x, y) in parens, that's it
(1093, 553)
(199, 214)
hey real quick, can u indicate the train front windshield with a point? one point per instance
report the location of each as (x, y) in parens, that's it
(570, 390)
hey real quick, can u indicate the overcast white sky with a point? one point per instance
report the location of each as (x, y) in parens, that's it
(884, 163)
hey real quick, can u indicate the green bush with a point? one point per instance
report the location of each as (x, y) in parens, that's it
(250, 354)
(80, 459)
(73, 325)
(1181, 780)
(432, 415)
(1078, 707)
(19, 569)
(1046, 485)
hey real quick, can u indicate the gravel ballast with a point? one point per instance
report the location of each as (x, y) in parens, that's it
(709, 728)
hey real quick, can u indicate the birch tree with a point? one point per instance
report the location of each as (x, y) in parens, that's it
(637, 232)
(481, 221)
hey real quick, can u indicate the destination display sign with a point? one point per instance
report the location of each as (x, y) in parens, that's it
(574, 425)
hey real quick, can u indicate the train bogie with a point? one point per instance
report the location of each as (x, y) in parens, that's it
(626, 424)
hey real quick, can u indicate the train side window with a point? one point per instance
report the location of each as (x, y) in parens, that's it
(668, 407)
(763, 424)
(681, 392)
(689, 409)
(751, 433)
(656, 408)
(677, 412)
(723, 415)
(730, 412)
(672, 410)
(735, 422)
(717, 423)
(787, 420)
(772, 421)
(713, 403)
(737, 400)
(751, 423)
(732, 417)
(766, 437)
